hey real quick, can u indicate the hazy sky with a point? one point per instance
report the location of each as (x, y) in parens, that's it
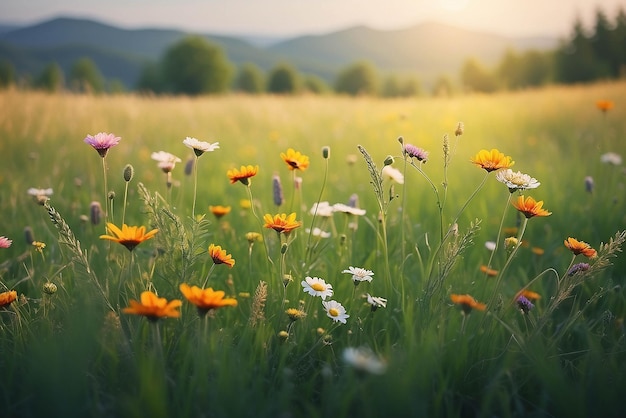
(294, 17)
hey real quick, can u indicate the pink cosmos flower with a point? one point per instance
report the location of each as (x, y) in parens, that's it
(5, 242)
(102, 141)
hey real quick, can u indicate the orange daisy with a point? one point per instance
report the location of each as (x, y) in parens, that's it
(528, 294)
(488, 271)
(295, 159)
(7, 298)
(206, 299)
(128, 236)
(492, 160)
(530, 207)
(154, 307)
(218, 211)
(580, 247)
(243, 174)
(467, 303)
(281, 222)
(604, 105)
(219, 256)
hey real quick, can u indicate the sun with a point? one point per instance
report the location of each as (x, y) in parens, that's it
(453, 5)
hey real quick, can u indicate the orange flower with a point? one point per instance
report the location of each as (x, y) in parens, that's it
(492, 160)
(154, 307)
(219, 256)
(243, 174)
(281, 222)
(528, 294)
(488, 271)
(7, 298)
(206, 299)
(604, 105)
(295, 160)
(219, 210)
(530, 207)
(580, 247)
(128, 236)
(538, 250)
(467, 303)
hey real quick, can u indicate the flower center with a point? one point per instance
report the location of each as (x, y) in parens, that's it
(318, 287)
(333, 312)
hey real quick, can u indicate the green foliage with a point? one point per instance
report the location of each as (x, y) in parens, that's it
(250, 79)
(7, 73)
(394, 86)
(283, 79)
(51, 78)
(85, 77)
(359, 78)
(314, 84)
(475, 77)
(151, 79)
(194, 66)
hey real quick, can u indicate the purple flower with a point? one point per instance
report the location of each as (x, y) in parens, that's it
(578, 267)
(5, 242)
(414, 152)
(278, 190)
(589, 184)
(524, 304)
(102, 141)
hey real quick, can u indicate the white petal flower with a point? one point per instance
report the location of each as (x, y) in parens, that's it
(322, 209)
(315, 286)
(393, 174)
(611, 158)
(335, 311)
(490, 245)
(39, 192)
(376, 302)
(318, 233)
(516, 180)
(359, 274)
(340, 207)
(200, 147)
(364, 359)
(165, 160)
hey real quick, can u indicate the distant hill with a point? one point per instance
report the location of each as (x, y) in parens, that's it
(425, 50)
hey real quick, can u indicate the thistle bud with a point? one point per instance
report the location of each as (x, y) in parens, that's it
(129, 172)
(388, 161)
(401, 140)
(326, 152)
(589, 184)
(50, 288)
(278, 190)
(95, 212)
(459, 129)
(111, 195)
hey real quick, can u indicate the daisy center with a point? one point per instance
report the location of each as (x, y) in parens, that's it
(318, 287)
(333, 312)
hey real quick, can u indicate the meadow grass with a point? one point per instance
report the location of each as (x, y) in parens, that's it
(74, 352)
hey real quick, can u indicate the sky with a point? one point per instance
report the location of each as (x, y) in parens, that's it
(300, 17)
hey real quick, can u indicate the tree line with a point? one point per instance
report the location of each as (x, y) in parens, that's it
(194, 66)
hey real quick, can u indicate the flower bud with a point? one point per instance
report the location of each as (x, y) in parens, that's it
(129, 172)
(95, 212)
(388, 161)
(50, 288)
(326, 152)
(459, 129)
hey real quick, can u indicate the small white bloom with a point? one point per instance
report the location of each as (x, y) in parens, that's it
(340, 207)
(315, 286)
(363, 359)
(165, 160)
(200, 147)
(490, 245)
(516, 180)
(322, 209)
(318, 233)
(335, 311)
(359, 274)
(393, 174)
(611, 158)
(376, 302)
(39, 192)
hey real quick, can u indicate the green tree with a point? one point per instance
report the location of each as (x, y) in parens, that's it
(391, 86)
(443, 86)
(314, 84)
(620, 43)
(410, 87)
(358, 78)
(151, 79)
(195, 66)
(250, 79)
(602, 46)
(51, 78)
(7, 73)
(475, 77)
(575, 59)
(283, 79)
(85, 76)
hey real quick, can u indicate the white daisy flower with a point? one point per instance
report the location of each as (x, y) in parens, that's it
(393, 174)
(376, 302)
(315, 286)
(335, 311)
(318, 233)
(611, 158)
(200, 147)
(340, 207)
(39, 192)
(490, 245)
(322, 209)
(165, 160)
(363, 359)
(516, 180)
(359, 274)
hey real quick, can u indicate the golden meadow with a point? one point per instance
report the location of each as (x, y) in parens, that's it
(443, 331)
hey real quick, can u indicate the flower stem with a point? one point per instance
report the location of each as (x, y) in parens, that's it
(195, 188)
(106, 193)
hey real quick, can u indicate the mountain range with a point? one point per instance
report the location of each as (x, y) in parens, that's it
(426, 50)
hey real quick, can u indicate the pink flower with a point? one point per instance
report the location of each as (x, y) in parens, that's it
(102, 141)
(5, 242)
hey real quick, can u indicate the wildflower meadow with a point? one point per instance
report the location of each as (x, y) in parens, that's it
(313, 256)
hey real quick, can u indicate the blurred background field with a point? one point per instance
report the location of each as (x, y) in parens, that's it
(58, 354)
